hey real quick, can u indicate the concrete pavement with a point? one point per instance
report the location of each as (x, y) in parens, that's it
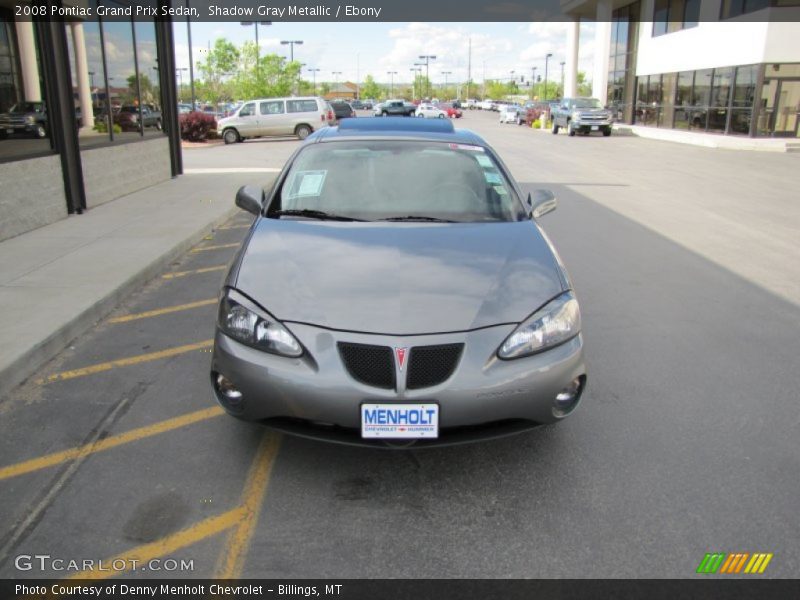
(58, 280)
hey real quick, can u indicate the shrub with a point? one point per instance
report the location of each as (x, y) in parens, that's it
(102, 127)
(196, 126)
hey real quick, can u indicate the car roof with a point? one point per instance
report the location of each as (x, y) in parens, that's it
(405, 128)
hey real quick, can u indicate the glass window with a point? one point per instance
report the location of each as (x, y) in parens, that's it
(24, 127)
(691, 14)
(702, 88)
(119, 49)
(273, 107)
(298, 106)
(734, 8)
(668, 85)
(248, 110)
(676, 8)
(720, 92)
(660, 16)
(744, 90)
(375, 180)
(149, 87)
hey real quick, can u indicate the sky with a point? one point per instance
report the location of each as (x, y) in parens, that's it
(359, 49)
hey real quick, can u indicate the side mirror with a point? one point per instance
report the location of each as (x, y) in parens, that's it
(250, 198)
(541, 203)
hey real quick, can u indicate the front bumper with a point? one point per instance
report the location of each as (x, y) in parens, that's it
(587, 126)
(315, 396)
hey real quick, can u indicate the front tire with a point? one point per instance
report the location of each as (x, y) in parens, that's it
(555, 128)
(570, 130)
(231, 136)
(606, 132)
(40, 131)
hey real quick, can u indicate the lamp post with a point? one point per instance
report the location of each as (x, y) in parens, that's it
(533, 82)
(336, 78)
(314, 75)
(291, 47)
(446, 73)
(391, 85)
(417, 71)
(562, 77)
(546, 59)
(180, 71)
(427, 58)
(258, 50)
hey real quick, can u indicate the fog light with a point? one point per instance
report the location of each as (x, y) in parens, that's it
(567, 399)
(228, 391)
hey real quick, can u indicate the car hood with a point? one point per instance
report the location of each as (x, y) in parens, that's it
(397, 278)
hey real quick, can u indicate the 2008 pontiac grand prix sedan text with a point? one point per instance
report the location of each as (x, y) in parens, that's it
(395, 288)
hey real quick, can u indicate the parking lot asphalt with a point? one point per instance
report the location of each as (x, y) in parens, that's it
(686, 441)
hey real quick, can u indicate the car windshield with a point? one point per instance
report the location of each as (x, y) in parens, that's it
(587, 103)
(388, 179)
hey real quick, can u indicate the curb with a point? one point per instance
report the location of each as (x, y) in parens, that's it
(36, 357)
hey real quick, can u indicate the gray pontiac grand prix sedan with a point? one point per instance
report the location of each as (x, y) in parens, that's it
(394, 289)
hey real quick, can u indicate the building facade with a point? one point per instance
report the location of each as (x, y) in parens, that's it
(63, 146)
(717, 66)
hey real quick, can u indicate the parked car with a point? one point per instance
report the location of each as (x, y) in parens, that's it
(485, 104)
(276, 117)
(430, 111)
(453, 111)
(532, 112)
(396, 288)
(368, 104)
(509, 113)
(472, 103)
(583, 115)
(394, 108)
(26, 118)
(130, 118)
(184, 109)
(342, 110)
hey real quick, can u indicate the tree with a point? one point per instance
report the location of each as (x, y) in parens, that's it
(370, 89)
(222, 62)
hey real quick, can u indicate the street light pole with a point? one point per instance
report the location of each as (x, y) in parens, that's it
(427, 58)
(258, 50)
(446, 73)
(417, 71)
(180, 71)
(314, 75)
(336, 78)
(291, 47)
(546, 59)
(533, 82)
(391, 85)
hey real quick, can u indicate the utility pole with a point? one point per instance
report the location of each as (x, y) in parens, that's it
(469, 67)
(291, 47)
(428, 58)
(546, 58)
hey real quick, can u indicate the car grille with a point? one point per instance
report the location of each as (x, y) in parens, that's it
(594, 118)
(431, 365)
(371, 365)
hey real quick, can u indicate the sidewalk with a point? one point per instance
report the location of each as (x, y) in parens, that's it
(57, 281)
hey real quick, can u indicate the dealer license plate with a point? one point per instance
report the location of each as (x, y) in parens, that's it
(595, 127)
(393, 421)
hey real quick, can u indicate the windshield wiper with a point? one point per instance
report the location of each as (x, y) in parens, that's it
(418, 218)
(313, 214)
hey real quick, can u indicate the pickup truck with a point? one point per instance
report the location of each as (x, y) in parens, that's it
(394, 108)
(583, 115)
(127, 117)
(24, 117)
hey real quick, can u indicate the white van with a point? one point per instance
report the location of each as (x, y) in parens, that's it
(276, 116)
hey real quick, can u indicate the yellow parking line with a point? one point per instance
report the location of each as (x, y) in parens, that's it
(217, 247)
(162, 311)
(167, 545)
(232, 558)
(177, 274)
(124, 362)
(56, 458)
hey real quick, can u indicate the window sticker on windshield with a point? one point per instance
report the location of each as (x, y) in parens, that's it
(307, 183)
(492, 177)
(500, 190)
(484, 160)
(466, 147)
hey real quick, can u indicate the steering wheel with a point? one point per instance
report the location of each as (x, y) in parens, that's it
(460, 189)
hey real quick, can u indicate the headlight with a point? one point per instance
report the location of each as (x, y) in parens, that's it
(247, 323)
(576, 115)
(555, 323)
